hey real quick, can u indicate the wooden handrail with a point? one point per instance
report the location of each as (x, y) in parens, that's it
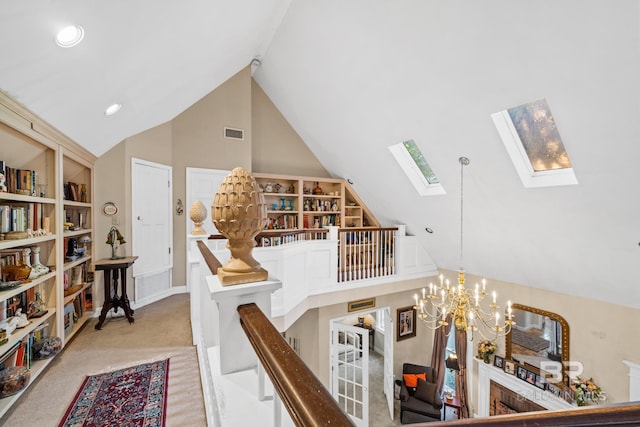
(618, 414)
(210, 259)
(310, 404)
(306, 399)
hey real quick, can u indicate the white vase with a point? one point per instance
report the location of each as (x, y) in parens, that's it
(26, 256)
(39, 268)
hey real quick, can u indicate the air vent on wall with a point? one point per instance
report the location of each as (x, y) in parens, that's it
(232, 133)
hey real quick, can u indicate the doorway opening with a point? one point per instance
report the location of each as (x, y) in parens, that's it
(449, 374)
(361, 359)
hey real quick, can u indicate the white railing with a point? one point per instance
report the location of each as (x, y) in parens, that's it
(365, 253)
(308, 270)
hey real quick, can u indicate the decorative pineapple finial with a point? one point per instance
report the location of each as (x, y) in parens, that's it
(239, 213)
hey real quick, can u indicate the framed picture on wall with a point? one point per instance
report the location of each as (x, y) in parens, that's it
(406, 322)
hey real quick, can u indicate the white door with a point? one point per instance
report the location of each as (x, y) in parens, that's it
(152, 228)
(389, 385)
(350, 371)
(202, 184)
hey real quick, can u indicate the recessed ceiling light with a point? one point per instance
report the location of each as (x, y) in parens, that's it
(112, 109)
(70, 36)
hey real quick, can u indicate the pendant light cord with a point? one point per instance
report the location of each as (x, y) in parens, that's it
(464, 161)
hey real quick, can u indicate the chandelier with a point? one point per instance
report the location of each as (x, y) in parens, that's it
(463, 305)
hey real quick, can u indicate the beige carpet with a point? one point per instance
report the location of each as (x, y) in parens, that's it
(378, 407)
(160, 330)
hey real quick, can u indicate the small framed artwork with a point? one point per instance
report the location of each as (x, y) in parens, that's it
(521, 372)
(567, 394)
(361, 304)
(541, 382)
(531, 377)
(553, 389)
(498, 362)
(406, 323)
(509, 367)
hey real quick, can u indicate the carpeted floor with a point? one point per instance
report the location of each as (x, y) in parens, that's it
(378, 407)
(161, 330)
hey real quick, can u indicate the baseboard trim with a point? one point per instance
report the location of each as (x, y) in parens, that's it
(150, 300)
(162, 295)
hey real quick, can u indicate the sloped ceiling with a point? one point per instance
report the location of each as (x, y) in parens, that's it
(354, 77)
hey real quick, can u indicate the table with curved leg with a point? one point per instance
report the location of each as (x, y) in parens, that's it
(115, 269)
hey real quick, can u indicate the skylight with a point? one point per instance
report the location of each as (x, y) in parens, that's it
(532, 139)
(416, 167)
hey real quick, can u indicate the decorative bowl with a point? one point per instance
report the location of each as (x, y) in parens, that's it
(13, 379)
(16, 272)
(46, 347)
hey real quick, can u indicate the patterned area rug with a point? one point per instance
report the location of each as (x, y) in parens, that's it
(531, 342)
(132, 397)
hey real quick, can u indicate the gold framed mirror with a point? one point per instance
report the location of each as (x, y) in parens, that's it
(537, 336)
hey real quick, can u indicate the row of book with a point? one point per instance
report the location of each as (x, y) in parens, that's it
(320, 221)
(19, 181)
(22, 217)
(282, 222)
(22, 352)
(74, 310)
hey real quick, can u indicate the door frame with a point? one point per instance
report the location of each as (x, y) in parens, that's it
(388, 352)
(134, 228)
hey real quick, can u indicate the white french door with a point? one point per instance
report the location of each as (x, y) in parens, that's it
(350, 371)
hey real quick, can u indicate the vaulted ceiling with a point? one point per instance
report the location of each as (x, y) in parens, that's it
(354, 77)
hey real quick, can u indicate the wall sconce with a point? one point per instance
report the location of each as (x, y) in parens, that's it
(179, 207)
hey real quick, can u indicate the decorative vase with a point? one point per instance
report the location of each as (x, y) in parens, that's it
(486, 358)
(198, 213)
(83, 193)
(26, 255)
(240, 213)
(37, 266)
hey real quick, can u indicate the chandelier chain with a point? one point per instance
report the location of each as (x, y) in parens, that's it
(459, 304)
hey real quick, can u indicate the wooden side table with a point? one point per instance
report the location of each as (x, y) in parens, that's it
(454, 403)
(113, 268)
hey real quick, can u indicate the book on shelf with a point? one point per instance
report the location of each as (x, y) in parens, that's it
(19, 181)
(78, 306)
(8, 359)
(68, 319)
(3, 180)
(88, 299)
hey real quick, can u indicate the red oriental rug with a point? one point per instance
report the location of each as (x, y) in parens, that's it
(132, 397)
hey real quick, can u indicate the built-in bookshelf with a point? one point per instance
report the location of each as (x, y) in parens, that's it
(299, 202)
(46, 217)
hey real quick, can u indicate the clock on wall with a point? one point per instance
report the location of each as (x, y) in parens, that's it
(109, 208)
